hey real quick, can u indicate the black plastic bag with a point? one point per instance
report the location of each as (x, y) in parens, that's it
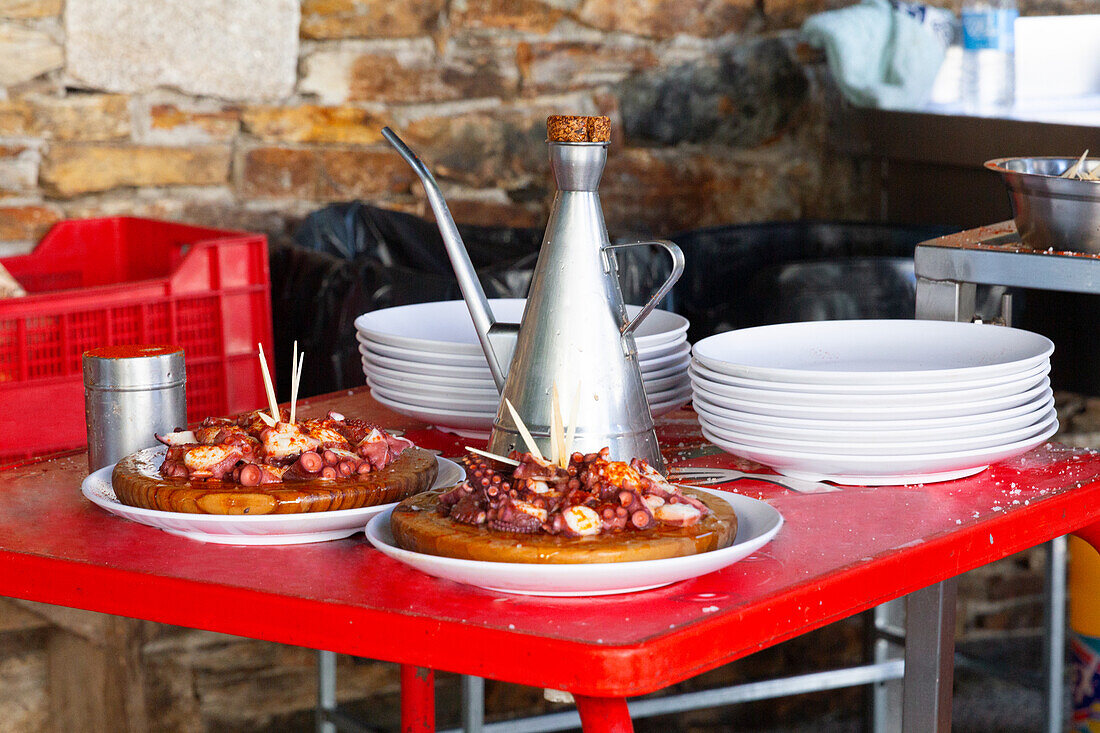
(351, 258)
(757, 274)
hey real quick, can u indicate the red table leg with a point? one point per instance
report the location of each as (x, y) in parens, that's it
(417, 699)
(1090, 534)
(604, 714)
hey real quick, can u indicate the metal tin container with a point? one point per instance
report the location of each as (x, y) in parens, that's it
(1051, 212)
(130, 394)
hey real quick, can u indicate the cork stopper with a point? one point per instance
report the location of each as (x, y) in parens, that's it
(578, 129)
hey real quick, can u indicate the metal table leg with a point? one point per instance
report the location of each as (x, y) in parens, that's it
(885, 644)
(326, 692)
(940, 300)
(1054, 640)
(929, 659)
(473, 704)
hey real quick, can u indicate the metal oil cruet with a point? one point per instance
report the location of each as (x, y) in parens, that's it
(575, 335)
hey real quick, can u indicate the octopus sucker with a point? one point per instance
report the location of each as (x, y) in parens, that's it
(590, 495)
(246, 451)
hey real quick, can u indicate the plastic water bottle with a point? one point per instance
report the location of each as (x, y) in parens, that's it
(989, 53)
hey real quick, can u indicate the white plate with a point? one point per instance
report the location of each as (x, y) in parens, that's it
(933, 385)
(677, 368)
(900, 399)
(417, 386)
(857, 447)
(453, 402)
(460, 419)
(263, 529)
(873, 351)
(448, 355)
(438, 356)
(661, 366)
(880, 470)
(871, 411)
(650, 353)
(478, 421)
(446, 325)
(413, 385)
(437, 380)
(682, 392)
(663, 408)
(439, 370)
(874, 432)
(886, 423)
(672, 381)
(681, 355)
(667, 407)
(757, 523)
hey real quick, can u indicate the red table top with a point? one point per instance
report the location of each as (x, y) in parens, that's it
(839, 553)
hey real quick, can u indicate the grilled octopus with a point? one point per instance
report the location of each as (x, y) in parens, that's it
(593, 494)
(249, 452)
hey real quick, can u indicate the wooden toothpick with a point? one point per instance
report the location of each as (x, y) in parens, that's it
(295, 379)
(557, 430)
(494, 456)
(523, 431)
(271, 401)
(1075, 169)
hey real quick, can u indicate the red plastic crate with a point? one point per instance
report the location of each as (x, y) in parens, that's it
(101, 282)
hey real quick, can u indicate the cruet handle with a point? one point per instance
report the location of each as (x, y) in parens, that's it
(677, 270)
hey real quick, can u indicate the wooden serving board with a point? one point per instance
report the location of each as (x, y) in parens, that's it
(137, 482)
(417, 526)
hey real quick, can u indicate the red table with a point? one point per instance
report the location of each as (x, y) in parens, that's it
(838, 554)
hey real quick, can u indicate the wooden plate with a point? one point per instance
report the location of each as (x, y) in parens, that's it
(137, 482)
(418, 527)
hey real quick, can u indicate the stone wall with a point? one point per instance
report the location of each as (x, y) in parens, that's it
(255, 112)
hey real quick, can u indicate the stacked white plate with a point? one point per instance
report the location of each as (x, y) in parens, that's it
(875, 402)
(424, 360)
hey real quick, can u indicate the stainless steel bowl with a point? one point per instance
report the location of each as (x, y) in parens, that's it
(1051, 212)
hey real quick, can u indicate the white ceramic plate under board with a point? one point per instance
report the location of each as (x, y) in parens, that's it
(757, 523)
(263, 529)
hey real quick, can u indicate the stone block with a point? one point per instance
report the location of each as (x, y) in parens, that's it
(330, 19)
(122, 202)
(81, 116)
(30, 8)
(72, 169)
(244, 50)
(27, 223)
(274, 172)
(409, 71)
(13, 616)
(171, 124)
(15, 117)
(26, 53)
(504, 213)
(276, 220)
(325, 174)
(662, 19)
(501, 147)
(547, 67)
(356, 174)
(24, 704)
(528, 16)
(791, 13)
(314, 124)
(741, 97)
(18, 168)
(654, 192)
